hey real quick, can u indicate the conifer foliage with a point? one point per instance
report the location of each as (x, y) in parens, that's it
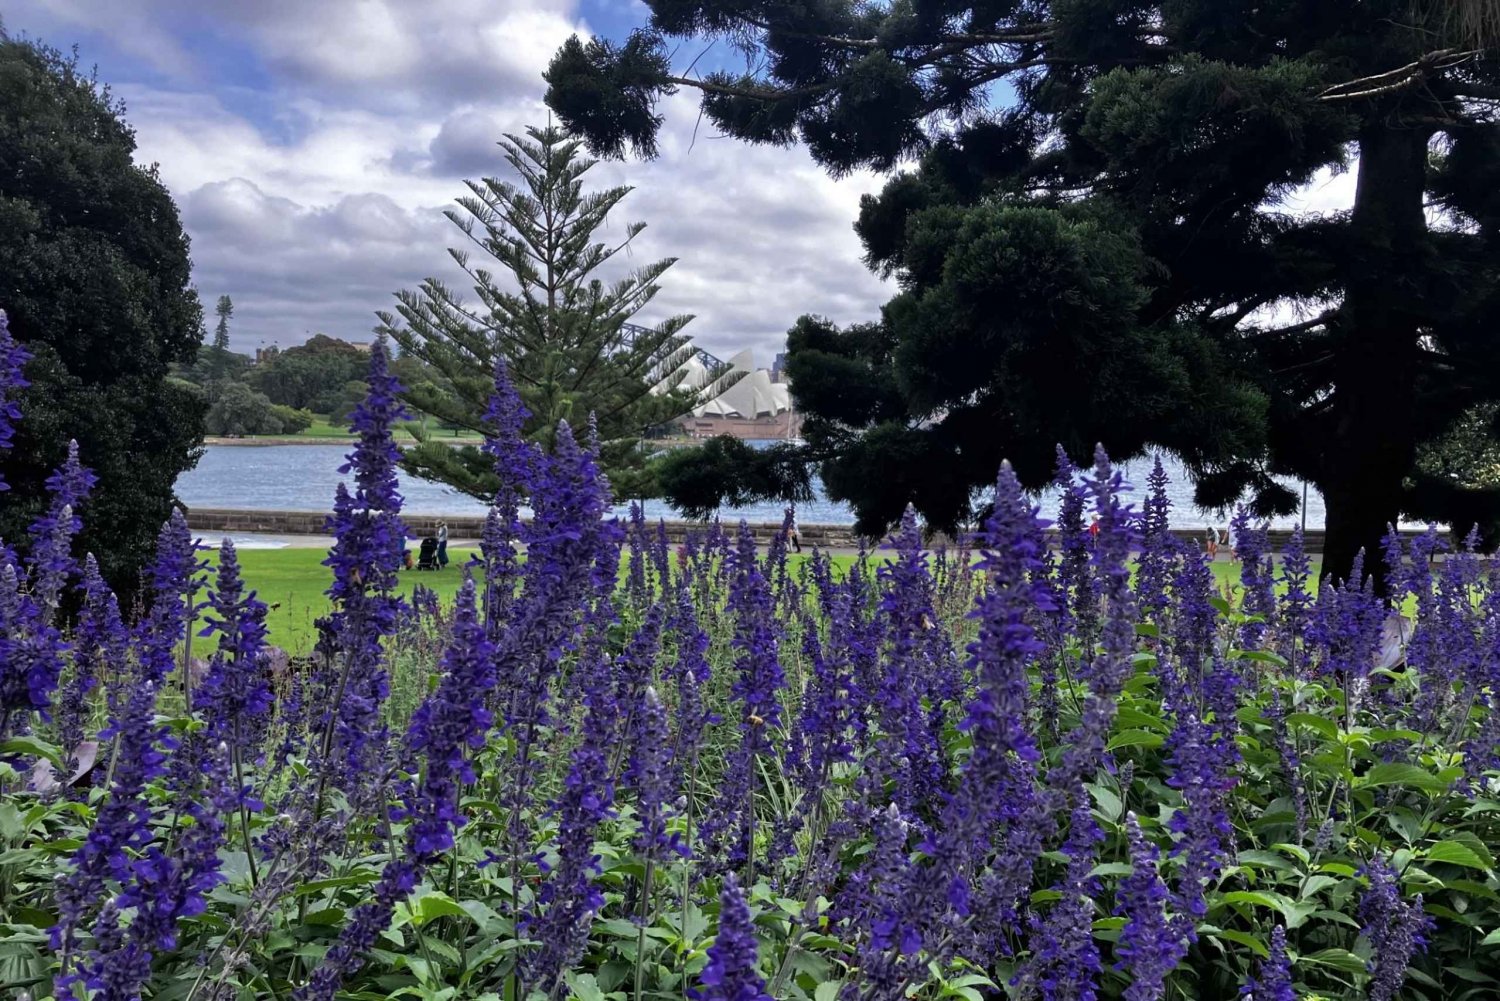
(556, 305)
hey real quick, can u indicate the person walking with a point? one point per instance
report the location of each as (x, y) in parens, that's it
(442, 537)
(1211, 543)
(794, 535)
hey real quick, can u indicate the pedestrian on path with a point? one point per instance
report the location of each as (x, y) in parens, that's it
(442, 538)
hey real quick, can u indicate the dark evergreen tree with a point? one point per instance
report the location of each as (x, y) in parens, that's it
(560, 318)
(225, 309)
(1097, 241)
(95, 276)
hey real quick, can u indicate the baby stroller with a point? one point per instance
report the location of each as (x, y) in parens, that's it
(427, 555)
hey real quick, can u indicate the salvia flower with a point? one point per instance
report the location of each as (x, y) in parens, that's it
(365, 925)
(651, 775)
(1151, 943)
(13, 358)
(173, 583)
(1073, 576)
(52, 534)
(366, 558)
(1275, 980)
(236, 693)
(1295, 612)
(1396, 929)
(1256, 577)
(122, 824)
(733, 970)
(1064, 964)
(100, 650)
(448, 728)
(31, 654)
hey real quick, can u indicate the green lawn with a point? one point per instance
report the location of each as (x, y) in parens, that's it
(322, 430)
(292, 582)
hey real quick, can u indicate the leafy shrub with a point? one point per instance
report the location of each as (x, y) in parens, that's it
(1070, 774)
(236, 410)
(293, 420)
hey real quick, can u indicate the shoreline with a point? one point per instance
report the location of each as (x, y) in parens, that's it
(266, 441)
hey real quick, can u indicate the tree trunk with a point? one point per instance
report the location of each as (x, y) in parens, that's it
(1372, 445)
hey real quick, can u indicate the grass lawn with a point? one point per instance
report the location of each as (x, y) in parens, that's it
(322, 430)
(292, 582)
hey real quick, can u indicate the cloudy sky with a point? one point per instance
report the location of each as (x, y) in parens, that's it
(313, 146)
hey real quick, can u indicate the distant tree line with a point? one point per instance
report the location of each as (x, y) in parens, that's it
(288, 389)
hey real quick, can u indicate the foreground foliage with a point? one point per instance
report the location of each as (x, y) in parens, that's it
(1034, 775)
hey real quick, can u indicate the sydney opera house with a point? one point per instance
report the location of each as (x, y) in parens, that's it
(753, 407)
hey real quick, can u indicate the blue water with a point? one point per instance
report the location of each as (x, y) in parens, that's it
(303, 477)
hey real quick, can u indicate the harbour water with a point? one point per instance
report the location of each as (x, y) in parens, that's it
(303, 477)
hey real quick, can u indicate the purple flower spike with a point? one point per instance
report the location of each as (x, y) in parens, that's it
(1275, 980)
(236, 694)
(1150, 944)
(1396, 928)
(448, 728)
(366, 559)
(733, 970)
(651, 773)
(13, 358)
(52, 534)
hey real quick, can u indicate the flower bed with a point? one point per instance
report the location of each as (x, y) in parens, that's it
(1070, 773)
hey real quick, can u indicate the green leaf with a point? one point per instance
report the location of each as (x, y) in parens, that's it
(32, 747)
(1455, 853)
(1108, 803)
(1338, 959)
(1246, 939)
(1318, 724)
(1297, 851)
(828, 990)
(584, 986)
(1493, 938)
(1135, 738)
(317, 886)
(1263, 656)
(1248, 897)
(436, 904)
(1315, 883)
(1400, 773)
(1259, 858)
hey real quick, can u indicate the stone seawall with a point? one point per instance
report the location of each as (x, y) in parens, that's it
(204, 519)
(467, 527)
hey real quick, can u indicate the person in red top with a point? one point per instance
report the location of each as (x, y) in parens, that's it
(1094, 531)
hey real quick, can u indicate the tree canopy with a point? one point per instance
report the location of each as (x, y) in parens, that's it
(1101, 236)
(560, 317)
(95, 277)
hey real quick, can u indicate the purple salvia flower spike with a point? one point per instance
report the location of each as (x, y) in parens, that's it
(733, 970)
(1395, 928)
(449, 728)
(236, 693)
(1274, 982)
(51, 561)
(1151, 942)
(366, 559)
(1158, 548)
(13, 358)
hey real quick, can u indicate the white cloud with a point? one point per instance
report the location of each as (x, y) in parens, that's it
(315, 211)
